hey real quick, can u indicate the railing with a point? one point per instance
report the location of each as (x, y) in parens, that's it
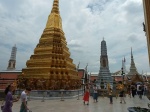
(59, 94)
(52, 94)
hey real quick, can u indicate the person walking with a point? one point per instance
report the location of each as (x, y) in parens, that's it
(133, 89)
(24, 94)
(110, 96)
(138, 87)
(95, 94)
(145, 90)
(140, 91)
(121, 95)
(86, 95)
(9, 98)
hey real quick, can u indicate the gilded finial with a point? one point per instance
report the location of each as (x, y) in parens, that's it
(54, 19)
(131, 52)
(55, 8)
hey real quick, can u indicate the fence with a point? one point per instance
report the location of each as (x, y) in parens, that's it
(52, 94)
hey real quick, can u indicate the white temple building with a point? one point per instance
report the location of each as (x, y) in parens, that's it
(12, 60)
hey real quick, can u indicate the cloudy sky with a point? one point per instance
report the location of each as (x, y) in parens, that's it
(85, 23)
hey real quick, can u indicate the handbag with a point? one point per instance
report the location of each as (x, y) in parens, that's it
(2, 105)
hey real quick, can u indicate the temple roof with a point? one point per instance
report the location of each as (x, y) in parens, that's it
(133, 69)
(137, 78)
(118, 73)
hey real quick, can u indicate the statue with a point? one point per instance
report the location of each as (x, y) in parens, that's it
(120, 87)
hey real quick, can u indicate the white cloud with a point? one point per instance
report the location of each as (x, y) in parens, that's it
(85, 23)
(112, 61)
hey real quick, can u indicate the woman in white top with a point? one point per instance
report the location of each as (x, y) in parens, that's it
(23, 97)
(95, 94)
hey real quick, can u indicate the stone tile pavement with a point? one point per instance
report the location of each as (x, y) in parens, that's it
(74, 105)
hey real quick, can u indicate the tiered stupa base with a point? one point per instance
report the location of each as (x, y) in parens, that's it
(53, 82)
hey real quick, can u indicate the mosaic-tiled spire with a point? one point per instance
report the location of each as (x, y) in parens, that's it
(54, 19)
(12, 61)
(132, 66)
(104, 73)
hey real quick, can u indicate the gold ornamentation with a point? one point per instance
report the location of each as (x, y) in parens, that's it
(50, 67)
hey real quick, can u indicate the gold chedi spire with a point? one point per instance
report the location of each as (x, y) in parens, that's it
(54, 19)
(50, 67)
(55, 8)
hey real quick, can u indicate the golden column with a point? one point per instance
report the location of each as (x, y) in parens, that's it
(146, 6)
(50, 67)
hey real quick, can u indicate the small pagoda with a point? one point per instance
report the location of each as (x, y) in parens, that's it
(50, 67)
(133, 76)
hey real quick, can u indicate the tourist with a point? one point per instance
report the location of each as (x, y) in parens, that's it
(121, 95)
(24, 94)
(140, 91)
(86, 95)
(110, 96)
(9, 98)
(95, 94)
(133, 89)
(145, 89)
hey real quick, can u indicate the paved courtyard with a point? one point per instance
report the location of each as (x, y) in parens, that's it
(74, 105)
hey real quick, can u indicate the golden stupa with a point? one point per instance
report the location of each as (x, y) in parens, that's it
(50, 67)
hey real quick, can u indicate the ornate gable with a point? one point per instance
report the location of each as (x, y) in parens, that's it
(136, 78)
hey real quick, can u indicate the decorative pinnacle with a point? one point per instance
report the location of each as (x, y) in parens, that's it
(55, 8)
(131, 53)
